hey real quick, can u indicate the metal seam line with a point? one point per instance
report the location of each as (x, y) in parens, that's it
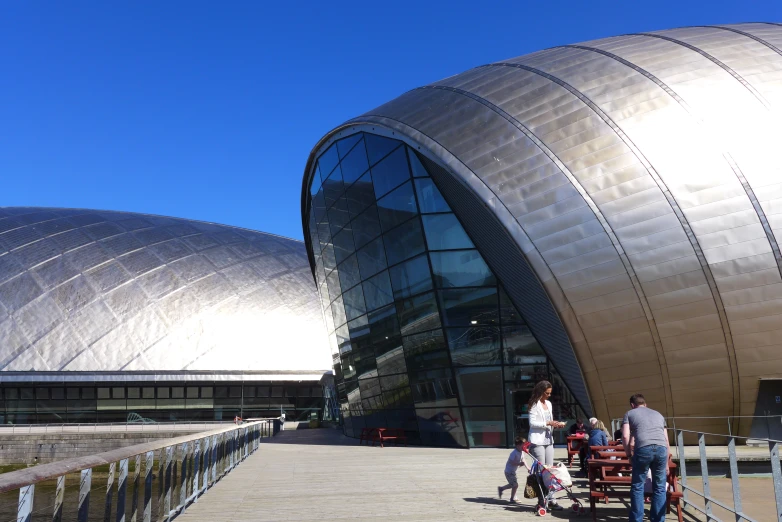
(690, 234)
(713, 59)
(377, 119)
(596, 211)
(744, 33)
(663, 187)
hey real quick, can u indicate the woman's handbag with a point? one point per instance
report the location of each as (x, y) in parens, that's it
(531, 487)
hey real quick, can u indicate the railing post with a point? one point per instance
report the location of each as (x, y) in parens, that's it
(682, 465)
(24, 509)
(149, 461)
(213, 459)
(183, 478)
(705, 474)
(59, 496)
(167, 486)
(122, 486)
(161, 482)
(109, 484)
(134, 503)
(205, 480)
(85, 484)
(776, 473)
(734, 477)
(196, 467)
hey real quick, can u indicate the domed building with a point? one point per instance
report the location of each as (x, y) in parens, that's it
(106, 316)
(603, 215)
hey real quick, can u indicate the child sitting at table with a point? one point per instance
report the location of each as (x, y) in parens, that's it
(597, 437)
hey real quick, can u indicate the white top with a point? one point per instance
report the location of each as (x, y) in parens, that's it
(514, 461)
(539, 432)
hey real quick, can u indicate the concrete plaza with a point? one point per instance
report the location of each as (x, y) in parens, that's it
(320, 475)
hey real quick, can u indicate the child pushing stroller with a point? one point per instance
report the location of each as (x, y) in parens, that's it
(543, 482)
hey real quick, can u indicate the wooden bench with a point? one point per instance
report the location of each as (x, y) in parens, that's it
(574, 445)
(382, 435)
(604, 481)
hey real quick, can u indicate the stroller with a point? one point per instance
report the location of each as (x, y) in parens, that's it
(548, 482)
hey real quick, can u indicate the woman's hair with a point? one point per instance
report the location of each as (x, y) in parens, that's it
(537, 392)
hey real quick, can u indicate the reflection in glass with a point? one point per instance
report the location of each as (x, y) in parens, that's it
(346, 144)
(417, 314)
(360, 195)
(378, 147)
(426, 350)
(396, 207)
(343, 244)
(327, 161)
(520, 346)
(460, 268)
(476, 345)
(354, 164)
(469, 306)
(372, 258)
(429, 198)
(377, 291)
(444, 232)
(338, 215)
(417, 166)
(404, 242)
(333, 187)
(348, 273)
(366, 227)
(332, 281)
(508, 312)
(391, 172)
(354, 302)
(411, 277)
(485, 426)
(441, 426)
(392, 363)
(338, 310)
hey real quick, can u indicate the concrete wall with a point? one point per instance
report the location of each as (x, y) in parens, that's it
(40, 449)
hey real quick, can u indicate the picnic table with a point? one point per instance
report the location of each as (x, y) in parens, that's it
(605, 483)
(382, 434)
(574, 445)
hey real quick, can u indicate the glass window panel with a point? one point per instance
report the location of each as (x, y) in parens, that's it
(508, 312)
(58, 393)
(396, 391)
(485, 426)
(343, 339)
(103, 393)
(444, 232)
(324, 233)
(391, 172)
(354, 164)
(429, 197)
(404, 242)
(42, 393)
(346, 144)
(527, 374)
(440, 426)
(473, 346)
(88, 393)
(118, 393)
(480, 386)
(418, 168)
(417, 314)
(262, 391)
(327, 161)
(372, 258)
(426, 350)
(360, 195)
(366, 227)
(354, 303)
(315, 185)
(192, 392)
(520, 346)
(396, 207)
(348, 273)
(392, 362)
(178, 392)
(235, 392)
(473, 306)
(378, 147)
(338, 311)
(332, 280)
(319, 206)
(70, 393)
(338, 215)
(377, 291)
(343, 244)
(433, 387)
(333, 187)
(329, 259)
(276, 391)
(148, 393)
(360, 339)
(384, 327)
(411, 277)
(163, 392)
(460, 268)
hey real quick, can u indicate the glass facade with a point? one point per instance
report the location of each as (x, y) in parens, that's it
(422, 334)
(157, 402)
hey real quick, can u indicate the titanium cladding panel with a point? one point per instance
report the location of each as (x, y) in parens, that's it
(640, 176)
(86, 290)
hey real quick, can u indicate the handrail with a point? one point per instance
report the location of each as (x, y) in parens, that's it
(203, 459)
(23, 477)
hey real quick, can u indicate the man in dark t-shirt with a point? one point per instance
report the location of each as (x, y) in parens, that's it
(646, 428)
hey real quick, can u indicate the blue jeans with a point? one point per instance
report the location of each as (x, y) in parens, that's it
(652, 457)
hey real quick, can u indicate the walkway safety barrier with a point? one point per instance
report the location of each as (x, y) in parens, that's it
(187, 467)
(122, 427)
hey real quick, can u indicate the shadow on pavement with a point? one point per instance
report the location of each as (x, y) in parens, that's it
(316, 436)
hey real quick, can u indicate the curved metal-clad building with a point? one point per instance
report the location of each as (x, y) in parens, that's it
(625, 192)
(99, 296)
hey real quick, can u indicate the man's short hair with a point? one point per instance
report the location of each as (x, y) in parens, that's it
(637, 400)
(519, 440)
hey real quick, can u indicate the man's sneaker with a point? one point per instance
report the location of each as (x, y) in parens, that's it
(499, 491)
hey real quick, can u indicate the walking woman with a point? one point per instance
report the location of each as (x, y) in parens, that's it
(541, 425)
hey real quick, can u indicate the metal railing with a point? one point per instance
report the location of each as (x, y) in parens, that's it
(730, 421)
(203, 459)
(121, 427)
(708, 499)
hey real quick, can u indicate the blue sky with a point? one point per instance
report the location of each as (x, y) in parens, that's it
(208, 110)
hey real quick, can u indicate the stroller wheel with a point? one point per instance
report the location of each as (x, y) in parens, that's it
(575, 507)
(582, 510)
(541, 511)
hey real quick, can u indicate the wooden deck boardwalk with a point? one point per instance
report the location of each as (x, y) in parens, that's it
(311, 475)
